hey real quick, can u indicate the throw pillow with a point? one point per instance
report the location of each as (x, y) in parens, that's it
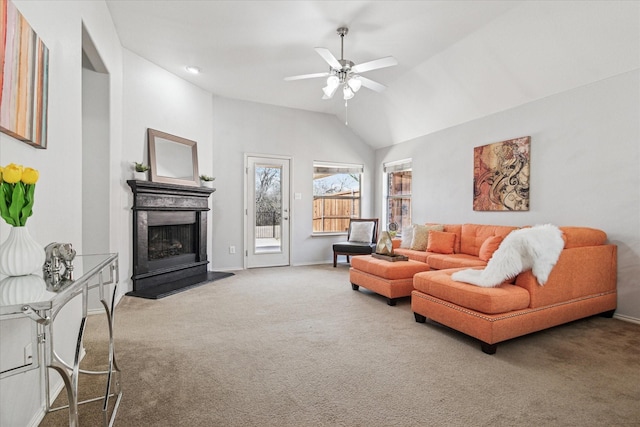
(441, 242)
(361, 231)
(488, 247)
(421, 236)
(407, 237)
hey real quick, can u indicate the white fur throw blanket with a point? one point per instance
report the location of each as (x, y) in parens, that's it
(536, 248)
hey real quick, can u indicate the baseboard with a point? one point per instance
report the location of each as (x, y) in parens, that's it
(627, 318)
(37, 418)
(297, 264)
(230, 269)
(304, 264)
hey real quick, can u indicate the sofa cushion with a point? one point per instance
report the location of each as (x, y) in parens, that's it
(421, 236)
(474, 235)
(362, 231)
(501, 299)
(444, 261)
(357, 248)
(489, 246)
(407, 237)
(441, 242)
(575, 237)
(457, 229)
(452, 228)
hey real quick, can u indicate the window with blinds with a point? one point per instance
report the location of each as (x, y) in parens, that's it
(398, 207)
(336, 196)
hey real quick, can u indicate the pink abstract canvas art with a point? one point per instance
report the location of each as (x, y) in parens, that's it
(501, 176)
(24, 81)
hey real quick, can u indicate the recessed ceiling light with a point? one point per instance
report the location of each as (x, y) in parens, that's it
(193, 69)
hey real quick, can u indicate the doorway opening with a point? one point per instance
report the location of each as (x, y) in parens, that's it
(96, 124)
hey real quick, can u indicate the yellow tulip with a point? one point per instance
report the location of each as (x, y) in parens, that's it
(30, 176)
(12, 173)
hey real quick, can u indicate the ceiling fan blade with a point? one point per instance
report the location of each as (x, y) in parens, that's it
(368, 83)
(328, 56)
(387, 61)
(306, 76)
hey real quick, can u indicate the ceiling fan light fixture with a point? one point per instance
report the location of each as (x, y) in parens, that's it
(355, 83)
(347, 92)
(333, 81)
(329, 91)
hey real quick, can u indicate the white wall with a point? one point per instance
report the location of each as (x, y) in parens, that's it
(585, 169)
(241, 127)
(157, 99)
(58, 207)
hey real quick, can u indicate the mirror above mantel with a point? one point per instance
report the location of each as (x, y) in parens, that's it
(173, 160)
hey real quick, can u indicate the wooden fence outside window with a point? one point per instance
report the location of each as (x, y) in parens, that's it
(333, 213)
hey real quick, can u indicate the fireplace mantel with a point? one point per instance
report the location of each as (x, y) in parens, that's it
(178, 214)
(149, 196)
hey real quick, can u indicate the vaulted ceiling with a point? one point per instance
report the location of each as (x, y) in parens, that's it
(458, 60)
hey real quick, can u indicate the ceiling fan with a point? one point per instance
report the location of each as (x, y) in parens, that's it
(345, 73)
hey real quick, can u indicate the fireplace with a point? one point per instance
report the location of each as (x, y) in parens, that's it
(169, 237)
(171, 241)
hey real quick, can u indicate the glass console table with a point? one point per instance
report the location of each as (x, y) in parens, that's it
(41, 301)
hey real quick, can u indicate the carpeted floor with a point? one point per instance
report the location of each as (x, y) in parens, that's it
(295, 346)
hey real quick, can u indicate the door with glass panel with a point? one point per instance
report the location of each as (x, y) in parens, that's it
(267, 212)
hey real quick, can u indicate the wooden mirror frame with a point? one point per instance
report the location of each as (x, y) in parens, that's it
(158, 165)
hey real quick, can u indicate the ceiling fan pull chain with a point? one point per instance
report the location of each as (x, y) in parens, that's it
(346, 113)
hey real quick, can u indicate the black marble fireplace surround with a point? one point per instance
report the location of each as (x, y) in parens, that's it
(169, 238)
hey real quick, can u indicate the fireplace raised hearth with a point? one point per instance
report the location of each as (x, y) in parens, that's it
(169, 238)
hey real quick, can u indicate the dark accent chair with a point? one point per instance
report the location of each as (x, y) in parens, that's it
(350, 248)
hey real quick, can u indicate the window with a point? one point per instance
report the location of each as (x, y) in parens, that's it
(336, 196)
(398, 193)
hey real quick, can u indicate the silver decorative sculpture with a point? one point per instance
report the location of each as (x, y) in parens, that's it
(58, 265)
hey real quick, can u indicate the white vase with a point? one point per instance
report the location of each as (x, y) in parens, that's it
(22, 289)
(20, 254)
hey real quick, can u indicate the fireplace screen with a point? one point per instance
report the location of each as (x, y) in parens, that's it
(171, 240)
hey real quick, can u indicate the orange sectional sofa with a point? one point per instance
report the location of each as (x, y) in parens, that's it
(582, 283)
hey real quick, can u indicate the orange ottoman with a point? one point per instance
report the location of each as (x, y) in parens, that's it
(391, 279)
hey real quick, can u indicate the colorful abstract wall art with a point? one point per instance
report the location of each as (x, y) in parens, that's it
(501, 176)
(24, 81)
